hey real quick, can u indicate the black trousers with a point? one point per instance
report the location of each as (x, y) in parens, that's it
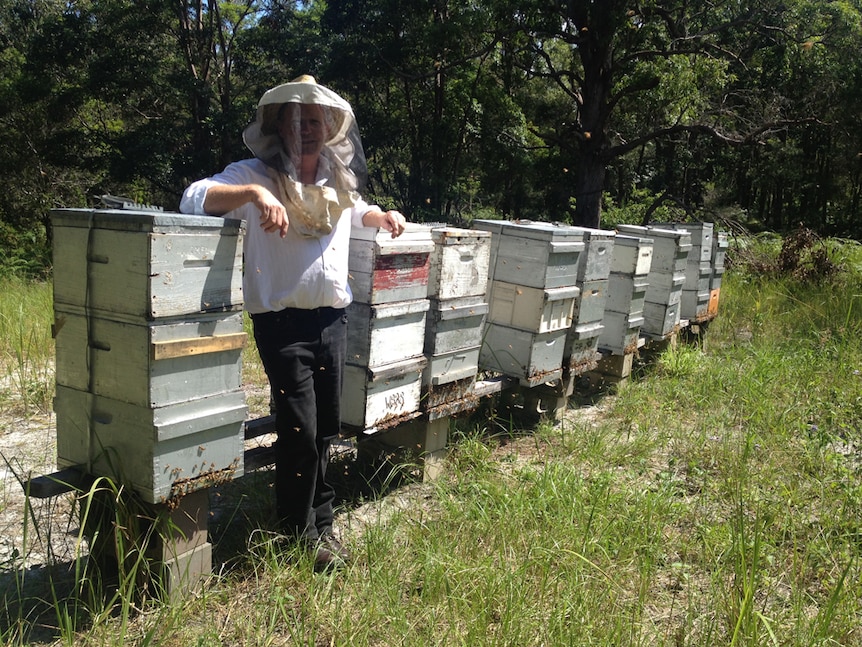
(303, 354)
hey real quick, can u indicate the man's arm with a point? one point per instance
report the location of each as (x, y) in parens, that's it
(391, 221)
(222, 198)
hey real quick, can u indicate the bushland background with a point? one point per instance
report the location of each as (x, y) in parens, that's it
(584, 112)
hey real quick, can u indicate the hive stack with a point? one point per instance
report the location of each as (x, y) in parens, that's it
(719, 250)
(531, 298)
(386, 326)
(581, 349)
(627, 286)
(694, 302)
(149, 336)
(457, 286)
(666, 278)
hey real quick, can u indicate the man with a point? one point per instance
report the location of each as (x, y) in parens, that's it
(301, 189)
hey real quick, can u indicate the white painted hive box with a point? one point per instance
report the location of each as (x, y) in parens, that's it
(146, 363)
(459, 263)
(383, 269)
(160, 453)
(382, 396)
(632, 255)
(535, 358)
(538, 255)
(387, 332)
(531, 309)
(146, 264)
(454, 324)
(456, 366)
(702, 238)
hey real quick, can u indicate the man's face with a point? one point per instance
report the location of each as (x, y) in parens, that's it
(303, 124)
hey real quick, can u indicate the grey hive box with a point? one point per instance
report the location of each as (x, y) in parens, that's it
(670, 247)
(383, 269)
(160, 452)
(595, 261)
(146, 264)
(534, 358)
(538, 254)
(146, 363)
(380, 396)
(387, 332)
(148, 328)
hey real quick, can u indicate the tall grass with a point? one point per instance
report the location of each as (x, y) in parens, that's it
(716, 500)
(26, 346)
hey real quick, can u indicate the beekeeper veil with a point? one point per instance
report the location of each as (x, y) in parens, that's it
(302, 117)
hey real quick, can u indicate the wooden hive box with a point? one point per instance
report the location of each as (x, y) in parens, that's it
(454, 324)
(162, 452)
(538, 255)
(660, 319)
(702, 238)
(595, 261)
(626, 294)
(146, 264)
(670, 247)
(620, 333)
(146, 363)
(590, 305)
(383, 269)
(531, 309)
(581, 348)
(533, 357)
(664, 288)
(385, 333)
(381, 396)
(494, 228)
(719, 249)
(449, 377)
(694, 305)
(459, 263)
(631, 255)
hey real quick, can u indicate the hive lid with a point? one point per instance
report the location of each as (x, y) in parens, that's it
(142, 221)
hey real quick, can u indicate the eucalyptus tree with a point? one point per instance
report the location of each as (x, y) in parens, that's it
(619, 75)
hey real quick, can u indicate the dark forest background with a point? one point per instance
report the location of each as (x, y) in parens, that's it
(587, 112)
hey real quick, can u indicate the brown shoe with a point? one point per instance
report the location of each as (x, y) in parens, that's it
(329, 554)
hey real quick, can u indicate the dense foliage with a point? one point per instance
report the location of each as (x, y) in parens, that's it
(587, 112)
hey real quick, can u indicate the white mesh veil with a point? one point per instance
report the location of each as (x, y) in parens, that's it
(280, 134)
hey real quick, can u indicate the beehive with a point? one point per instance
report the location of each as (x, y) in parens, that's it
(533, 357)
(532, 309)
(160, 452)
(459, 263)
(383, 269)
(595, 261)
(670, 248)
(381, 396)
(144, 264)
(147, 363)
(581, 348)
(632, 255)
(621, 332)
(148, 328)
(535, 254)
(454, 324)
(626, 294)
(590, 305)
(384, 333)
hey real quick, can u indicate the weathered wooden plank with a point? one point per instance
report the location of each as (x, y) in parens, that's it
(162, 350)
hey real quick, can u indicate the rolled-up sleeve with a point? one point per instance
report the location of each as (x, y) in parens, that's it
(194, 196)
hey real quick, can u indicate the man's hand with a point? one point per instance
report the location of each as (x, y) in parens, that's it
(391, 221)
(273, 216)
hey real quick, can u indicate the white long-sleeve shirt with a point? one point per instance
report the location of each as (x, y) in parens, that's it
(289, 272)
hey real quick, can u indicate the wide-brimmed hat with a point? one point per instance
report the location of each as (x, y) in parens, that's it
(342, 143)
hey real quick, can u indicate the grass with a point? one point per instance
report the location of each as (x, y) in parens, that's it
(716, 500)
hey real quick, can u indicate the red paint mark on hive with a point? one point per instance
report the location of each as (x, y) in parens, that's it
(400, 269)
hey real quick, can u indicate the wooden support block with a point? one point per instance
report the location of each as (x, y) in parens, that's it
(424, 438)
(616, 366)
(186, 573)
